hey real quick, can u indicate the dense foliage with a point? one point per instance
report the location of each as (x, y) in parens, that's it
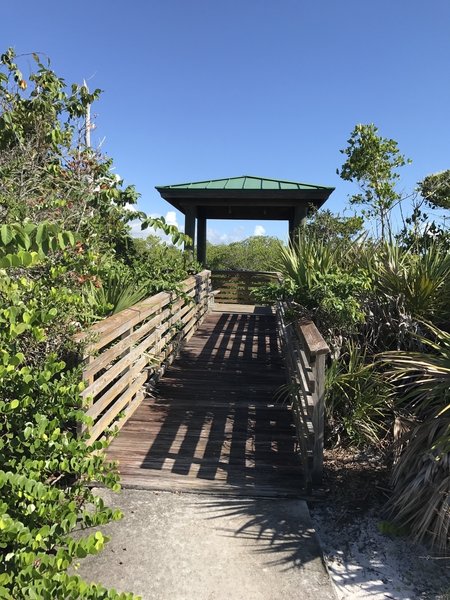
(383, 305)
(66, 260)
(255, 253)
(46, 468)
(436, 189)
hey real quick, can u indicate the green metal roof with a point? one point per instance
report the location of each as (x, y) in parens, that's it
(245, 182)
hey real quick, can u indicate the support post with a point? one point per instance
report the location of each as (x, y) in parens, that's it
(297, 220)
(201, 240)
(318, 417)
(189, 227)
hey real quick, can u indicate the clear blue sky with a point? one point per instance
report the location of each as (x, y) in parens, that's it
(203, 89)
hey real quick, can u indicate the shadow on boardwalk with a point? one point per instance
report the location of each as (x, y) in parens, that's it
(236, 526)
(213, 425)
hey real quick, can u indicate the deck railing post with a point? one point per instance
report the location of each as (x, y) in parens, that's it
(318, 417)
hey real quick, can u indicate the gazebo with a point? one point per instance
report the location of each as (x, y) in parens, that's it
(244, 197)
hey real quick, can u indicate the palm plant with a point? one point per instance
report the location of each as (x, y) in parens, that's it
(117, 292)
(421, 482)
(424, 378)
(421, 476)
(326, 283)
(304, 259)
(357, 398)
(421, 280)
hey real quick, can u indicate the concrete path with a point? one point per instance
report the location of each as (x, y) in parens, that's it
(198, 547)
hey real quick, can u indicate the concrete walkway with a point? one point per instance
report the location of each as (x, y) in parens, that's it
(198, 547)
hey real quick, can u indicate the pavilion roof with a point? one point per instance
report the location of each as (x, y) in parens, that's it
(244, 182)
(244, 197)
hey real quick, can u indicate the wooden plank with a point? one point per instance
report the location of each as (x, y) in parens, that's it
(130, 410)
(119, 404)
(107, 356)
(125, 363)
(111, 328)
(118, 368)
(117, 324)
(318, 418)
(209, 428)
(105, 400)
(314, 344)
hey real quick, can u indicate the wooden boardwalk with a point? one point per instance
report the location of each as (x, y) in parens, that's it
(213, 424)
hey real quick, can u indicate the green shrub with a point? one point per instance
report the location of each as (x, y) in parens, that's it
(257, 253)
(317, 278)
(63, 219)
(46, 467)
(357, 399)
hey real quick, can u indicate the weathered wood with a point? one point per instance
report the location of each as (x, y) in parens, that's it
(127, 348)
(318, 418)
(213, 423)
(106, 357)
(111, 328)
(119, 404)
(313, 342)
(234, 287)
(305, 351)
(107, 397)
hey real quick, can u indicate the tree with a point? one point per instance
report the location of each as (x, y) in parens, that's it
(256, 253)
(372, 162)
(435, 189)
(329, 227)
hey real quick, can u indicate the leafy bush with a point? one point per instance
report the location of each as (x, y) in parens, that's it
(317, 278)
(46, 466)
(63, 227)
(421, 281)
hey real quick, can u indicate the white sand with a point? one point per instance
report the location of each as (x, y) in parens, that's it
(364, 563)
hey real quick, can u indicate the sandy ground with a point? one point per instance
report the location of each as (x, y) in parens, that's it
(364, 563)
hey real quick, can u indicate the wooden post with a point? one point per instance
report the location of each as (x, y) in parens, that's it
(318, 417)
(291, 231)
(201, 240)
(189, 227)
(297, 220)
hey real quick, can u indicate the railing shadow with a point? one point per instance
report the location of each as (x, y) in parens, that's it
(215, 414)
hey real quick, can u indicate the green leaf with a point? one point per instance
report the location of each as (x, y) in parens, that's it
(6, 234)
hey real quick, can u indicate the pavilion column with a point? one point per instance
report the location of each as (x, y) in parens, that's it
(201, 240)
(297, 220)
(189, 227)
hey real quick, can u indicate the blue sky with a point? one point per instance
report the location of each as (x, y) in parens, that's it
(204, 89)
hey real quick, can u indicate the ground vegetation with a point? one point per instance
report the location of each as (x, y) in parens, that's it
(381, 299)
(67, 259)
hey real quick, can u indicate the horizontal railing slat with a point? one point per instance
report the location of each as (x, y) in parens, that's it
(304, 351)
(234, 287)
(124, 350)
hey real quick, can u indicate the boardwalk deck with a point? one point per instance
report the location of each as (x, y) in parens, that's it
(213, 424)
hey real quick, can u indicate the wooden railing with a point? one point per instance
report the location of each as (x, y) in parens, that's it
(126, 350)
(234, 287)
(304, 351)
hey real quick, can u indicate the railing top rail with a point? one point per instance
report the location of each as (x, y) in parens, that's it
(242, 271)
(138, 311)
(311, 337)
